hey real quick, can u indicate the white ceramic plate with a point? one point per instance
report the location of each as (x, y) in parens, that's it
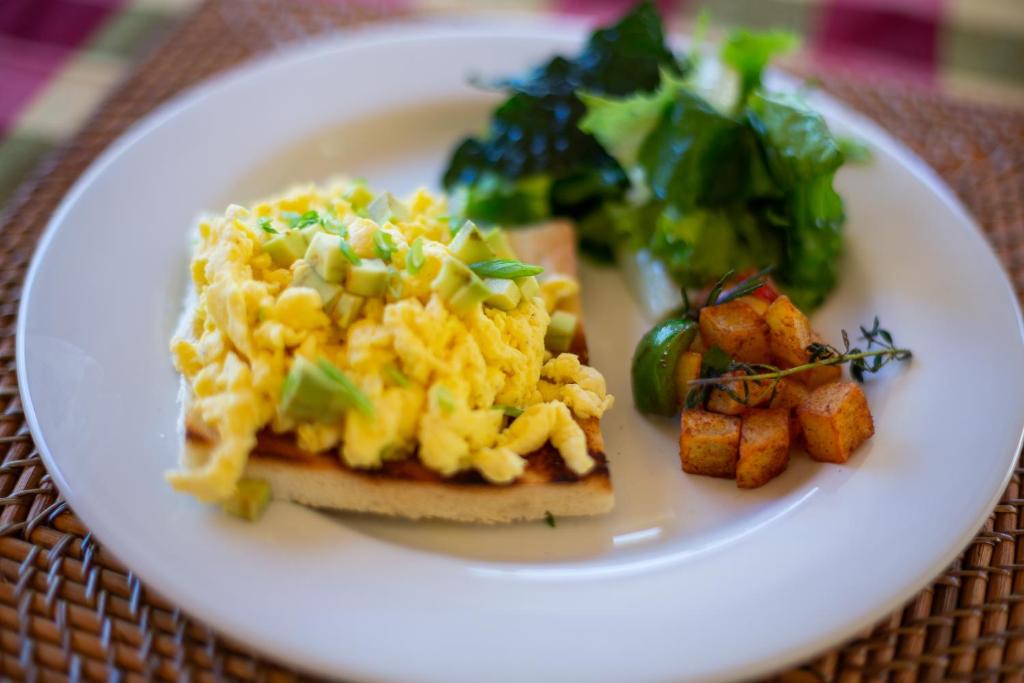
(688, 579)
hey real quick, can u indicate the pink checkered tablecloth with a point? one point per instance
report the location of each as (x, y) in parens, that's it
(60, 58)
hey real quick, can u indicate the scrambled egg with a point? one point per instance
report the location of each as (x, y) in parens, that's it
(440, 382)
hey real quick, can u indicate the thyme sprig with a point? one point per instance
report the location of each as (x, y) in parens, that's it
(879, 351)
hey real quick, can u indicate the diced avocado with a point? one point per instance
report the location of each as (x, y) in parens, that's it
(310, 394)
(324, 256)
(285, 248)
(505, 294)
(347, 308)
(304, 276)
(498, 242)
(369, 278)
(560, 332)
(528, 286)
(471, 294)
(452, 276)
(309, 232)
(249, 500)
(469, 244)
(387, 207)
(358, 196)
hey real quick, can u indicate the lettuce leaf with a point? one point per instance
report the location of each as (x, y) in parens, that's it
(749, 52)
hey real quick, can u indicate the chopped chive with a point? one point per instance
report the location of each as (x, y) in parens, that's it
(290, 217)
(504, 269)
(346, 249)
(383, 244)
(396, 376)
(511, 411)
(549, 519)
(307, 219)
(352, 394)
(265, 226)
(445, 399)
(414, 259)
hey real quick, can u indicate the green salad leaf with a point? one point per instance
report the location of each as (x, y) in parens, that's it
(645, 150)
(535, 161)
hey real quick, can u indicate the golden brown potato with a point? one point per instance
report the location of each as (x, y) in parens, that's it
(823, 375)
(755, 393)
(738, 330)
(789, 331)
(709, 444)
(687, 368)
(764, 447)
(789, 393)
(757, 303)
(835, 420)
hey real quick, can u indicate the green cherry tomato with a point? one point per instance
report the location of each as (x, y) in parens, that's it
(654, 365)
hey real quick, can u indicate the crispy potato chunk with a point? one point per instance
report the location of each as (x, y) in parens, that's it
(687, 368)
(709, 444)
(789, 333)
(738, 330)
(757, 303)
(764, 447)
(823, 375)
(835, 420)
(789, 393)
(755, 393)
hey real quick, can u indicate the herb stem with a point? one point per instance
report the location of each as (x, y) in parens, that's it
(779, 374)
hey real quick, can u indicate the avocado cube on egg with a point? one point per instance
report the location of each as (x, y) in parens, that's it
(498, 243)
(324, 256)
(469, 244)
(471, 294)
(505, 294)
(386, 207)
(250, 498)
(450, 279)
(309, 394)
(528, 286)
(309, 232)
(285, 248)
(561, 331)
(303, 275)
(369, 278)
(347, 309)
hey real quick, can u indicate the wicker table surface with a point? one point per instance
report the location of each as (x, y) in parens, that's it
(71, 611)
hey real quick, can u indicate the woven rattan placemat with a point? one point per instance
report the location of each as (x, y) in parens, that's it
(69, 610)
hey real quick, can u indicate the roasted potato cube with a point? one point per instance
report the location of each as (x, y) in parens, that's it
(709, 444)
(757, 303)
(687, 368)
(764, 447)
(738, 330)
(789, 393)
(835, 420)
(789, 331)
(697, 345)
(754, 393)
(822, 375)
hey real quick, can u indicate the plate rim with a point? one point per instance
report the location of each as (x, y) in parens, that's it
(428, 29)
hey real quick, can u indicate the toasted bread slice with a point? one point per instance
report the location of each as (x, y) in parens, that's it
(407, 488)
